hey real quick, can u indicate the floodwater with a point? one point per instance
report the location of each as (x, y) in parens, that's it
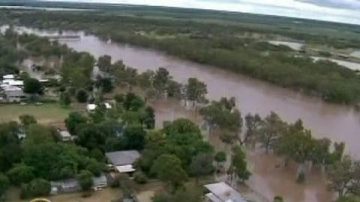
(293, 45)
(336, 122)
(350, 65)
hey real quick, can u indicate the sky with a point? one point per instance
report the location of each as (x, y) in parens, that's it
(346, 11)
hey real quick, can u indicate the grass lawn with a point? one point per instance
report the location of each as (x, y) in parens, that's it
(45, 113)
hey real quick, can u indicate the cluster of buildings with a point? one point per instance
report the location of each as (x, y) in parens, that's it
(122, 162)
(11, 89)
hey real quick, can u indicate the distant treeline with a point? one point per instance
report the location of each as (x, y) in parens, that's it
(229, 46)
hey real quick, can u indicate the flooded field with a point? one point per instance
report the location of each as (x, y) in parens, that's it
(347, 64)
(336, 122)
(293, 45)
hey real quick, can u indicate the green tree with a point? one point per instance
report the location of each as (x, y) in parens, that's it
(220, 157)
(105, 84)
(65, 98)
(85, 180)
(271, 129)
(21, 173)
(134, 137)
(36, 188)
(33, 86)
(195, 90)
(161, 80)
(168, 168)
(82, 96)
(104, 63)
(253, 123)
(133, 102)
(344, 177)
(27, 120)
(238, 168)
(202, 165)
(74, 120)
(4, 184)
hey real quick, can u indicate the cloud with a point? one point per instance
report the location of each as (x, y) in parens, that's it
(347, 4)
(345, 11)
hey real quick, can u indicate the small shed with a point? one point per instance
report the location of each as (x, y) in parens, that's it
(8, 76)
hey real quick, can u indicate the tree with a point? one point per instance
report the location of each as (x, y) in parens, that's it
(181, 126)
(4, 184)
(271, 129)
(85, 180)
(202, 165)
(195, 90)
(21, 173)
(134, 137)
(74, 120)
(91, 137)
(344, 177)
(82, 96)
(104, 63)
(33, 86)
(27, 120)
(105, 84)
(133, 102)
(167, 168)
(175, 90)
(149, 118)
(65, 98)
(220, 157)
(161, 80)
(238, 168)
(253, 123)
(37, 187)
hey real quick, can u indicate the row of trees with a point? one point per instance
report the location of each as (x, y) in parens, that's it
(291, 141)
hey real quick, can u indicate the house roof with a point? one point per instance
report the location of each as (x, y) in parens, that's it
(11, 88)
(222, 192)
(121, 158)
(125, 169)
(9, 76)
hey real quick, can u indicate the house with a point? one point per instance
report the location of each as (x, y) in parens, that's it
(13, 93)
(222, 192)
(12, 82)
(100, 182)
(72, 185)
(91, 107)
(123, 160)
(65, 136)
(65, 186)
(9, 76)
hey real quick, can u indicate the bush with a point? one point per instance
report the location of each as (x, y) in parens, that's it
(82, 96)
(140, 177)
(36, 188)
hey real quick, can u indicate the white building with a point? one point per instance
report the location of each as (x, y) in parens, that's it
(13, 93)
(65, 136)
(8, 76)
(222, 192)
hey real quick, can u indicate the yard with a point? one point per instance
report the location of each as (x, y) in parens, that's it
(45, 113)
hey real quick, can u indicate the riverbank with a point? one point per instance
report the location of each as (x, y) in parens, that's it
(211, 45)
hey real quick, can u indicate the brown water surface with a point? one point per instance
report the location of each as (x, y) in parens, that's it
(336, 122)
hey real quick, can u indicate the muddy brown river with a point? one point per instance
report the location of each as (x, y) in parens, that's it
(336, 122)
